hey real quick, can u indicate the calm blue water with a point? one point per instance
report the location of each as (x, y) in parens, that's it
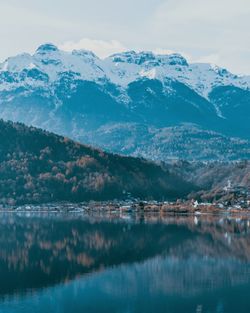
(70, 263)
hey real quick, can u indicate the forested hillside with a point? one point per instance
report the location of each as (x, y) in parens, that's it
(37, 166)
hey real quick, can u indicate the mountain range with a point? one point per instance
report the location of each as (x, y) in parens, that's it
(134, 103)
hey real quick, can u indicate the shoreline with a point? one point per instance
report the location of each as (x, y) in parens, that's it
(131, 207)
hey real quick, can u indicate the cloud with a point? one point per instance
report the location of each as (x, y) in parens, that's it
(211, 58)
(206, 29)
(163, 51)
(215, 31)
(211, 11)
(202, 24)
(101, 48)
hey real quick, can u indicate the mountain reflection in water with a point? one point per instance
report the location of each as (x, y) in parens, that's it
(75, 263)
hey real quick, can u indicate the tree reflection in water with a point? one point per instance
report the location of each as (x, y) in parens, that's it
(108, 264)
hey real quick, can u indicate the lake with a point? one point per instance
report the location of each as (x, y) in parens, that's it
(124, 263)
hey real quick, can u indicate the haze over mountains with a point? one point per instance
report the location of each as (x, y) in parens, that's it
(141, 104)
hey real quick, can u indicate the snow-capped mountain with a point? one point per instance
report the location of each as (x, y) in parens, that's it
(120, 69)
(100, 100)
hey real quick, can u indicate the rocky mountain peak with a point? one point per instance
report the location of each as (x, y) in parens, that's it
(45, 48)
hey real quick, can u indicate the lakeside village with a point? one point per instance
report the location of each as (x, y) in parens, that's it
(231, 199)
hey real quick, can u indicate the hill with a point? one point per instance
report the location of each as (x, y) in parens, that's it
(224, 181)
(37, 166)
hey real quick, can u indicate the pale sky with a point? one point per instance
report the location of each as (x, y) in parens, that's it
(216, 31)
